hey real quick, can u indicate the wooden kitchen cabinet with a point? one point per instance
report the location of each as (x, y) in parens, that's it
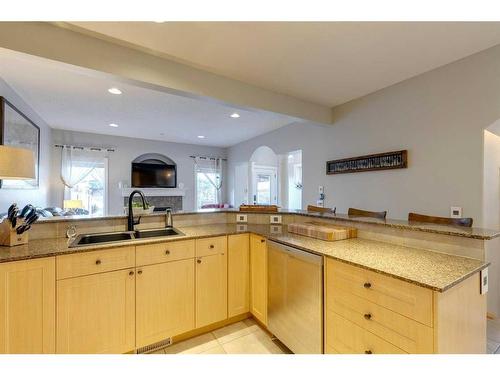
(96, 313)
(238, 274)
(211, 285)
(27, 307)
(165, 301)
(258, 278)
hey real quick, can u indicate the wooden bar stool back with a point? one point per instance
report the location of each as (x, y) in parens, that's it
(363, 213)
(462, 222)
(311, 208)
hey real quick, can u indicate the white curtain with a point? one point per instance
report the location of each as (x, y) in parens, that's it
(76, 164)
(209, 166)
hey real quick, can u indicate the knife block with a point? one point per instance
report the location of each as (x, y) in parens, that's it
(9, 237)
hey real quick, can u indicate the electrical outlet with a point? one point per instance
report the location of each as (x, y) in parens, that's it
(275, 219)
(456, 212)
(241, 228)
(276, 229)
(241, 218)
(484, 281)
(321, 190)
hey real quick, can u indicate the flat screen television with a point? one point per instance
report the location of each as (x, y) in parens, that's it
(146, 175)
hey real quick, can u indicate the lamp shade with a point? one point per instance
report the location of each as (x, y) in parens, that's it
(16, 163)
(72, 203)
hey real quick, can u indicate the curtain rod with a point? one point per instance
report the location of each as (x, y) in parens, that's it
(207, 157)
(91, 148)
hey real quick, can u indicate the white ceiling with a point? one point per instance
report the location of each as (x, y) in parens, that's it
(323, 62)
(72, 98)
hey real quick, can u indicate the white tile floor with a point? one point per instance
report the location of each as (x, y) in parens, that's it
(493, 335)
(245, 337)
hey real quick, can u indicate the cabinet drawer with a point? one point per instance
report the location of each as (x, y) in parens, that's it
(211, 246)
(164, 252)
(402, 297)
(346, 337)
(92, 262)
(403, 332)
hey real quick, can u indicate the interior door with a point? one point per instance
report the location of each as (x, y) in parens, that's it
(264, 185)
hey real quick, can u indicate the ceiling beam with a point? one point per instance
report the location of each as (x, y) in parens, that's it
(52, 42)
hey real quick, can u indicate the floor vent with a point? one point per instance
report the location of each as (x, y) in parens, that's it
(154, 347)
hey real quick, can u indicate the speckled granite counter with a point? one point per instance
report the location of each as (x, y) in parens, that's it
(476, 233)
(433, 270)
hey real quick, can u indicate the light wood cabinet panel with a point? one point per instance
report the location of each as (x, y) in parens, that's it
(402, 297)
(211, 246)
(238, 274)
(346, 337)
(165, 301)
(211, 289)
(164, 252)
(93, 262)
(96, 313)
(27, 307)
(258, 278)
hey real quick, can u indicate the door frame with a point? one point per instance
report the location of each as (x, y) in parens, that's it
(265, 169)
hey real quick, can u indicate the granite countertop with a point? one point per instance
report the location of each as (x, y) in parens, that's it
(429, 269)
(474, 232)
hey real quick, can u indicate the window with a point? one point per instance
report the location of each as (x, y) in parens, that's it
(208, 180)
(84, 173)
(91, 190)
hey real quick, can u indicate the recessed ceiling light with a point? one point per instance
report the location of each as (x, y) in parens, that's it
(114, 91)
(235, 115)
(201, 136)
(113, 125)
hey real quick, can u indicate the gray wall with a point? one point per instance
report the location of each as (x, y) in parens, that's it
(438, 116)
(38, 197)
(127, 149)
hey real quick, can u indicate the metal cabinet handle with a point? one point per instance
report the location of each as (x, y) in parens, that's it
(211, 246)
(167, 252)
(98, 261)
(262, 240)
(139, 272)
(368, 352)
(131, 273)
(367, 285)
(198, 261)
(368, 316)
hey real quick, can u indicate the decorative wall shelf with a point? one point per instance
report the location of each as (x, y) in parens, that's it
(374, 162)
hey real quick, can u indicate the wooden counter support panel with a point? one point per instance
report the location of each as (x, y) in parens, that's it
(164, 252)
(258, 278)
(238, 274)
(460, 318)
(27, 307)
(92, 262)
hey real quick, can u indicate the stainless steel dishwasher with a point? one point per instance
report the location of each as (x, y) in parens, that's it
(295, 298)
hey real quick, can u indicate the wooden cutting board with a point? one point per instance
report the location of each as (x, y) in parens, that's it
(323, 231)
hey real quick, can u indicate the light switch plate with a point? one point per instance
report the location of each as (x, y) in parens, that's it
(456, 212)
(240, 218)
(275, 219)
(484, 281)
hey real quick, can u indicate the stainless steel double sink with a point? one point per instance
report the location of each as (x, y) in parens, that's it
(103, 238)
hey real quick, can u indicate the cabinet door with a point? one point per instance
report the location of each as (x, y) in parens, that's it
(258, 278)
(27, 307)
(238, 274)
(96, 313)
(211, 289)
(164, 301)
